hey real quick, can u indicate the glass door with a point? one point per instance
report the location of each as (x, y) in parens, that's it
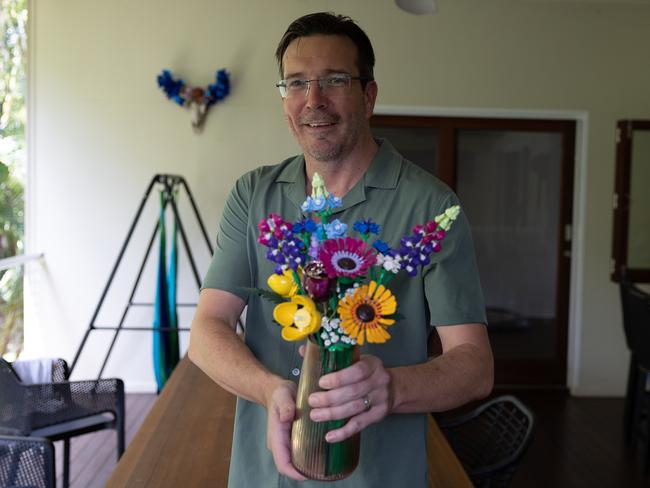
(514, 179)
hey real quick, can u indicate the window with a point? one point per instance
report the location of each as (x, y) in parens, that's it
(631, 236)
(13, 44)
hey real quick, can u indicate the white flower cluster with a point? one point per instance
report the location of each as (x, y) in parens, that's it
(332, 332)
(389, 263)
(349, 292)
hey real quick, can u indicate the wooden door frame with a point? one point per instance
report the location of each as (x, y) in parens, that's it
(571, 307)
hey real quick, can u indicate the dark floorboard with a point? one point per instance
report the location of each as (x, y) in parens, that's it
(93, 456)
(578, 443)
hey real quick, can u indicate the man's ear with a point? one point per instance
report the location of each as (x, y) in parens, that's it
(370, 96)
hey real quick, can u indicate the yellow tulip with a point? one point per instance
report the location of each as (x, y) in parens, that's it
(298, 318)
(284, 284)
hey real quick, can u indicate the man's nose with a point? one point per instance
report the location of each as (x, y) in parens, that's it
(315, 95)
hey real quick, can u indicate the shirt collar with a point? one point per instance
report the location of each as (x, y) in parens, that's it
(382, 173)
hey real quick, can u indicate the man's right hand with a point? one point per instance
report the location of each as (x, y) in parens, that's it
(281, 408)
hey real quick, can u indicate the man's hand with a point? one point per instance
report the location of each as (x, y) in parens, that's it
(281, 410)
(362, 392)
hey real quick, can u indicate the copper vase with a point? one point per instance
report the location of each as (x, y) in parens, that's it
(311, 454)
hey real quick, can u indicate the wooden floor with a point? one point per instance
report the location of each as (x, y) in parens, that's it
(93, 456)
(578, 443)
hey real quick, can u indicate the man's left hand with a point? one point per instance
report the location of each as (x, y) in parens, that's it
(362, 392)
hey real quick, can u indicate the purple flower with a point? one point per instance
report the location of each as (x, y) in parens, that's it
(416, 249)
(284, 248)
(314, 246)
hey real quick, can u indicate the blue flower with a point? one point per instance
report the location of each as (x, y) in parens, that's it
(366, 227)
(171, 87)
(335, 229)
(381, 246)
(334, 202)
(304, 225)
(320, 232)
(310, 225)
(220, 89)
(318, 203)
(313, 204)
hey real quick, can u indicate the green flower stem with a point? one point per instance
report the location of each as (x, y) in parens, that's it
(382, 274)
(296, 278)
(338, 451)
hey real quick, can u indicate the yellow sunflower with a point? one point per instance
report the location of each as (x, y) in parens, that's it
(363, 313)
(298, 318)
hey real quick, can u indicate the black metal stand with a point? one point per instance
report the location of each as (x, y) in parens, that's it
(170, 184)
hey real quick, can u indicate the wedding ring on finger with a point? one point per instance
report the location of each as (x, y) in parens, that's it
(366, 403)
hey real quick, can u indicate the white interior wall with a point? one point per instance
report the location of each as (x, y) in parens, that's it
(99, 128)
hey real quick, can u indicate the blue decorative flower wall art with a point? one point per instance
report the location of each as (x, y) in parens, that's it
(197, 99)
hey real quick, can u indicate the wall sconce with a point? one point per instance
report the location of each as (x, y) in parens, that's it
(197, 99)
(418, 6)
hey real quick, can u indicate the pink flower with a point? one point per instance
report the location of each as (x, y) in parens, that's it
(346, 257)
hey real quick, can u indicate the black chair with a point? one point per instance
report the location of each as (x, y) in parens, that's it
(26, 462)
(491, 440)
(636, 324)
(62, 409)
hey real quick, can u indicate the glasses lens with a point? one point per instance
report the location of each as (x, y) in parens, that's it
(334, 84)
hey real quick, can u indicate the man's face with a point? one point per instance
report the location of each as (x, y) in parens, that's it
(327, 126)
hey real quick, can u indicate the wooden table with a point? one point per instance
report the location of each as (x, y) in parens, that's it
(185, 440)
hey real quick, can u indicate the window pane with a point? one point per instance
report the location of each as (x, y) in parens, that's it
(13, 43)
(417, 144)
(638, 245)
(509, 185)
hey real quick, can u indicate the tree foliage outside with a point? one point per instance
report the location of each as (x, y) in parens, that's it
(13, 46)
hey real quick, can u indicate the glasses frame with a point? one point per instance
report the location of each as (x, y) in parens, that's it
(284, 92)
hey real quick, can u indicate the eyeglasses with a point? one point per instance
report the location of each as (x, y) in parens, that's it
(333, 85)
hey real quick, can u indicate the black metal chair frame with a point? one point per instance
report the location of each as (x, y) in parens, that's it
(26, 462)
(636, 324)
(62, 409)
(495, 473)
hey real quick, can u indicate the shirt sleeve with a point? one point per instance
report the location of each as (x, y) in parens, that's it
(229, 269)
(452, 284)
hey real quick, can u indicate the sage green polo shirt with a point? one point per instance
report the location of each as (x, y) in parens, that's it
(397, 194)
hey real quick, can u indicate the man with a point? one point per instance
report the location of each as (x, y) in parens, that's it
(326, 64)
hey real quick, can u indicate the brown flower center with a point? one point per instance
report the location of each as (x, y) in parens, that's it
(365, 312)
(346, 263)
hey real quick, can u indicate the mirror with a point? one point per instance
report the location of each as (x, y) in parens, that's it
(631, 240)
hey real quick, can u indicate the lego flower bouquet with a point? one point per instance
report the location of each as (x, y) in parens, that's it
(330, 284)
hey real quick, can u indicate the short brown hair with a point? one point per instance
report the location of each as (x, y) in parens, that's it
(330, 24)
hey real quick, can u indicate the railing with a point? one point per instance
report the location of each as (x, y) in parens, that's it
(7, 263)
(11, 304)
